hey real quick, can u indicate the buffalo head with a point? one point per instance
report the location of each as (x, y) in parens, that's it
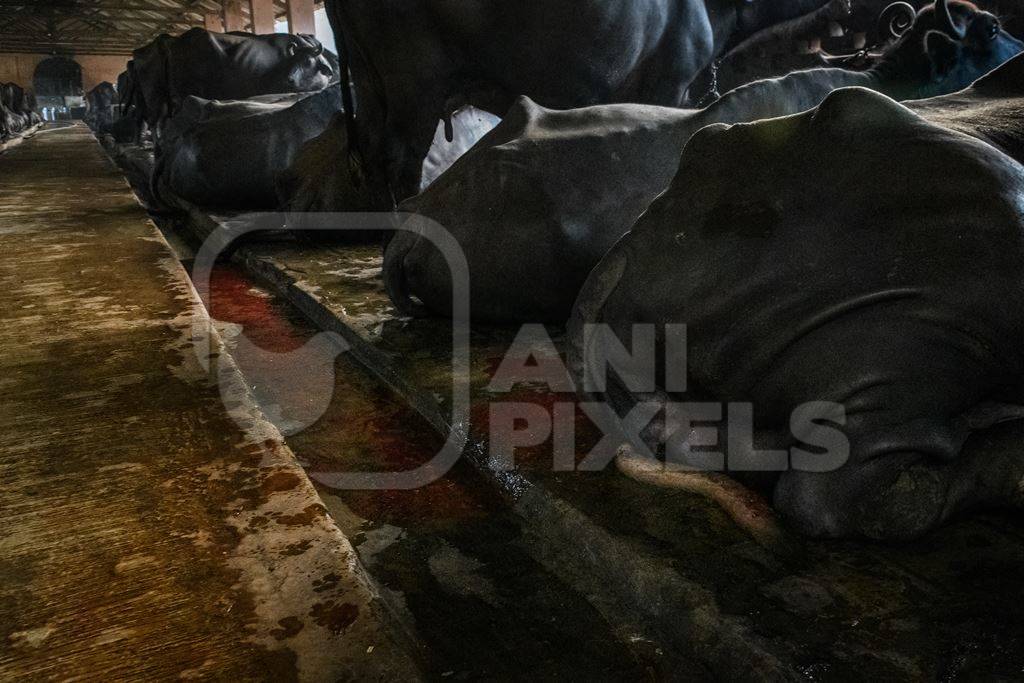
(975, 42)
(952, 43)
(309, 67)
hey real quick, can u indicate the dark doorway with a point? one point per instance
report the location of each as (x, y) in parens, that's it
(58, 85)
(58, 77)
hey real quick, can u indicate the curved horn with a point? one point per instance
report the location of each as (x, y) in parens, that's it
(308, 45)
(896, 19)
(945, 20)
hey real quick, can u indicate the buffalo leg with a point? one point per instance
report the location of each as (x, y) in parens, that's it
(903, 494)
(913, 393)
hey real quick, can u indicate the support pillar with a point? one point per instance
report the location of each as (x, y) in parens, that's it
(300, 17)
(233, 18)
(213, 22)
(262, 16)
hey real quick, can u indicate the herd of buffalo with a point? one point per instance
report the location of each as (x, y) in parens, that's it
(18, 110)
(850, 233)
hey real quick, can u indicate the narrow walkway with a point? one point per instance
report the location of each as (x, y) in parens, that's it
(146, 529)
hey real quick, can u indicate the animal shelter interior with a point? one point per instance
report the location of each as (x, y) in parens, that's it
(604, 340)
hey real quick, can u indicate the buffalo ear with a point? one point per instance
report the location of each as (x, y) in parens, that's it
(943, 53)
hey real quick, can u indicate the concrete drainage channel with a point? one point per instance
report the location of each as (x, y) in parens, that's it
(447, 557)
(558, 574)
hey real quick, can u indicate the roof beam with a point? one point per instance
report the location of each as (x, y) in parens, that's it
(113, 7)
(300, 16)
(119, 26)
(234, 15)
(263, 15)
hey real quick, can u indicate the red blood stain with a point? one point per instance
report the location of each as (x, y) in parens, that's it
(367, 429)
(265, 322)
(396, 440)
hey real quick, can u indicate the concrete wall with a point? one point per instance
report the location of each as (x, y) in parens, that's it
(99, 68)
(20, 68)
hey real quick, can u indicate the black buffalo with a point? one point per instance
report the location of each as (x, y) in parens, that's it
(10, 123)
(101, 107)
(861, 255)
(18, 109)
(224, 66)
(124, 84)
(317, 181)
(32, 104)
(539, 201)
(228, 154)
(129, 126)
(413, 62)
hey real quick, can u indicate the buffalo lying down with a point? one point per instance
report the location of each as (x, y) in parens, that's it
(228, 154)
(17, 110)
(10, 123)
(30, 107)
(856, 254)
(129, 128)
(535, 206)
(223, 66)
(320, 180)
(538, 202)
(101, 104)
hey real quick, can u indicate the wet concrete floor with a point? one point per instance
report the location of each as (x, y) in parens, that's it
(153, 524)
